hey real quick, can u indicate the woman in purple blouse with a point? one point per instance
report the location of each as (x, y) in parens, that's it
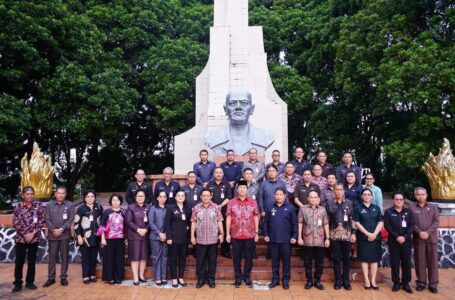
(113, 231)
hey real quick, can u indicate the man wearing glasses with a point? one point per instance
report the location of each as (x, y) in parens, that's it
(139, 185)
(276, 161)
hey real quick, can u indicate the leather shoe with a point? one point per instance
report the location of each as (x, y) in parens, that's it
(64, 282)
(226, 255)
(347, 285)
(238, 283)
(433, 290)
(308, 285)
(16, 288)
(31, 286)
(396, 287)
(200, 284)
(212, 284)
(248, 282)
(337, 285)
(420, 288)
(319, 285)
(273, 284)
(407, 288)
(49, 282)
(286, 285)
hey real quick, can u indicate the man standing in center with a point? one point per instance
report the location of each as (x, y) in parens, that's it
(242, 229)
(232, 169)
(254, 164)
(204, 168)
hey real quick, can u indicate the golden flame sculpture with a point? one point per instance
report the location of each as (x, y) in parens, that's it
(38, 172)
(440, 171)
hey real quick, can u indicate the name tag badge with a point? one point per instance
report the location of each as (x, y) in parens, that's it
(257, 170)
(345, 218)
(319, 222)
(183, 217)
(171, 194)
(403, 223)
(90, 218)
(195, 197)
(65, 216)
(222, 195)
(35, 219)
(145, 219)
(254, 197)
(117, 219)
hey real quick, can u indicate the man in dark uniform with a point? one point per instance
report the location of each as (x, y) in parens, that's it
(221, 193)
(303, 188)
(326, 167)
(347, 166)
(204, 168)
(192, 190)
(399, 222)
(139, 185)
(169, 186)
(280, 231)
(299, 162)
(232, 169)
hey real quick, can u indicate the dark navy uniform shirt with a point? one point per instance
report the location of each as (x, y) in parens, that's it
(220, 192)
(353, 193)
(368, 217)
(171, 190)
(232, 172)
(192, 195)
(204, 171)
(280, 223)
(301, 166)
(134, 187)
(399, 224)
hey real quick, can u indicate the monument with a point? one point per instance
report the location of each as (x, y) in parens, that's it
(236, 74)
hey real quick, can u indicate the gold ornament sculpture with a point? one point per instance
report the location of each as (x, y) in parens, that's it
(440, 171)
(38, 173)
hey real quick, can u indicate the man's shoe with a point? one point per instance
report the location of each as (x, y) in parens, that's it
(238, 283)
(273, 284)
(212, 284)
(248, 282)
(286, 285)
(407, 288)
(420, 288)
(319, 285)
(337, 285)
(226, 255)
(396, 287)
(16, 288)
(308, 284)
(31, 286)
(64, 282)
(347, 285)
(49, 282)
(200, 283)
(433, 290)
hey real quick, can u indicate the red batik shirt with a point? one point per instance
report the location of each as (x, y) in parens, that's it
(242, 218)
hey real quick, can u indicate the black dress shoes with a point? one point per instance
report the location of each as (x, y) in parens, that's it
(238, 283)
(420, 288)
(31, 286)
(49, 282)
(273, 284)
(308, 285)
(248, 282)
(396, 287)
(407, 288)
(64, 281)
(433, 290)
(337, 285)
(200, 283)
(212, 284)
(347, 285)
(16, 288)
(286, 285)
(319, 285)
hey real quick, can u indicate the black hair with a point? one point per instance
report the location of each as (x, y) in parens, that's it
(272, 166)
(397, 193)
(27, 188)
(116, 195)
(281, 189)
(92, 191)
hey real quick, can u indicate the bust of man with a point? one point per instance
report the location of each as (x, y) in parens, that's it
(239, 135)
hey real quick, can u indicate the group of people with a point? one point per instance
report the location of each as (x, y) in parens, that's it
(315, 206)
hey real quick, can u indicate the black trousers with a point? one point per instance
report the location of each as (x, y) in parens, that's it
(177, 257)
(57, 247)
(224, 246)
(341, 252)
(114, 260)
(281, 251)
(315, 254)
(89, 259)
(400, 255)
(242, 248)
(30, 251)
(206, 262)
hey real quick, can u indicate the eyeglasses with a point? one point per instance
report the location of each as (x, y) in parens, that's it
(398, 199)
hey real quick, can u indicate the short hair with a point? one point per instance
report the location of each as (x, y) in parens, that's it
(203, 151)
(115, 195)
(273, 167)
(139, 191)
(347, 152)
(248, 95)
(140, 170)
(366, 190)
(191, 172)
(348, 172)
(247, 169)
(216, 168)
(397, 193)
(230, 150)
(276, 150)
(370, 174)
(321, 151)
(27, 188)
(159, 193)
(206, 190)
(419, 188)
(289, 163)
(62, 187)
(298, 147)
(308, 196)
(89, 191)
(168, 169)
(281, 189)
(306, 170)
(331, 174)
(256, 150)
(338, 184)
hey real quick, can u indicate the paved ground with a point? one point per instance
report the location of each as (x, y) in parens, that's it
(77, 290)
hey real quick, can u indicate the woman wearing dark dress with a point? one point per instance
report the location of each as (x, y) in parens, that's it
(138, 246)
(368, 220)
(86, 224)
(112, 231)
(177, 234)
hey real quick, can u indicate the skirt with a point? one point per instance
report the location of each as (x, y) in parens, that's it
(138, 250)
(369, 252)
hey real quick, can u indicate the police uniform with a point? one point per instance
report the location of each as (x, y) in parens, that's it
(170, 189)
(400, 224)
(192, 194)
(280, 225)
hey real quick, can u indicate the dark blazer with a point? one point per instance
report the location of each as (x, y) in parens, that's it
(135, 220)
(176, 226)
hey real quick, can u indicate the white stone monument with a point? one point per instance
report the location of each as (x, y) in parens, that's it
(237, 61)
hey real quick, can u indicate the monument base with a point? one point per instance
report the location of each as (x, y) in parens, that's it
(447, 208)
